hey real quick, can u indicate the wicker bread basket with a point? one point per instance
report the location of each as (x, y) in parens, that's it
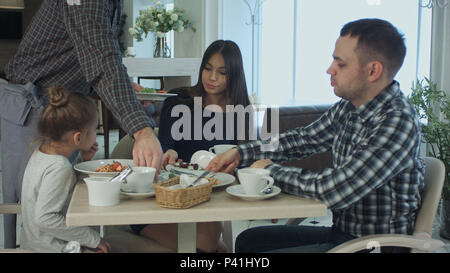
(182, 198)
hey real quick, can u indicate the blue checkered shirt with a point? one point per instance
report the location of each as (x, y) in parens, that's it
(377, 175)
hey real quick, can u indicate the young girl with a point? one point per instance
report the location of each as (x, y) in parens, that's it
(68, 123)
(221, 82)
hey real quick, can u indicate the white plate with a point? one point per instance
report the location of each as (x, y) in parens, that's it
(238, 191)
(89, 167)
(225, 178)
(154, 96)
(135, 194)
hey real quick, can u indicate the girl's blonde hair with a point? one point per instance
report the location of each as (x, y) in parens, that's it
(65, 112)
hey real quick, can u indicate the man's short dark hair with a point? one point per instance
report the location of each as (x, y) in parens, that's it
(378, 40)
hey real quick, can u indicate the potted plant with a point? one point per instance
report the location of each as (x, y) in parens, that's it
(433, 107)
(157, 19)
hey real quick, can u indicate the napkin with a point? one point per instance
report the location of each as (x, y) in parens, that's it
(186, 180)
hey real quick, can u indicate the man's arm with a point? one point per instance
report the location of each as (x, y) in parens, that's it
(386, 153)
(89, 25)
(296, 143)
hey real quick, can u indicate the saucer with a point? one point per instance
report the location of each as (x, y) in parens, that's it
(238, 191)
(138, 194)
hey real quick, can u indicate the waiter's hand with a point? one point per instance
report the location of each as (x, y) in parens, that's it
(147, 149)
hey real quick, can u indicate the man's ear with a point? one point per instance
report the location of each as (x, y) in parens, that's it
(76, 137)
(375, 71)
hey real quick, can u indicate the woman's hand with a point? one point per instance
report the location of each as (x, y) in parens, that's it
(169, 157)
(89, 154)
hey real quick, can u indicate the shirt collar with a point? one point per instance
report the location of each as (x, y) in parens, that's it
(368, 109)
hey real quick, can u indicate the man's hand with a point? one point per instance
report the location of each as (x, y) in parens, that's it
(89, 154)
(147, 149)
(225, 162)
(261, 164)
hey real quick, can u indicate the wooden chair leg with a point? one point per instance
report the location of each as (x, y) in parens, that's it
(105, 113)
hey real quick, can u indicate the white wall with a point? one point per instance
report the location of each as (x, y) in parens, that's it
(221, 19)
(235, 26)
(440, 48)
(190, 44)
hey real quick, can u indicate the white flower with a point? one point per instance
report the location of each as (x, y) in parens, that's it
(174, 17)
(180, 29)
(149, 8)
(158, 3)
(159, 34)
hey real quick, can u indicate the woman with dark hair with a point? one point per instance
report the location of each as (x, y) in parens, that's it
(221, 82)
(197, 119)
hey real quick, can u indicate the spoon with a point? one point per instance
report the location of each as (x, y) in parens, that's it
(269, 190)
(122, 175)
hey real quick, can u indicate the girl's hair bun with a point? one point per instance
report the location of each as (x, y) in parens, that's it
(57, 96)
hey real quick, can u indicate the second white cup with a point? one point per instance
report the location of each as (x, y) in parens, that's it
(255, 181)
(140, 180)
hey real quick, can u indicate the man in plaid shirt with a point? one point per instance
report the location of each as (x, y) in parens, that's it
(73, 44)
(374, 135)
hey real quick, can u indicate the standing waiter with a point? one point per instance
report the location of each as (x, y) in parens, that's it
(73, 44)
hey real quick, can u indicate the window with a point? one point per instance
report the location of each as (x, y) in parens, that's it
(298, 37)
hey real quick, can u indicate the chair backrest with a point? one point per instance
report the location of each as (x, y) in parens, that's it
(291, 117)
(431, 194)
(123, 149)
(10, 208)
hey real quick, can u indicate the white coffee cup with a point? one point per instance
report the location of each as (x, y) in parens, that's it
(202, 158)
(255, 181)
(221, 148)
(140, 180)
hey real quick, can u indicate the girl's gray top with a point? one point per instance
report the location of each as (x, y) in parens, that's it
(47, 188)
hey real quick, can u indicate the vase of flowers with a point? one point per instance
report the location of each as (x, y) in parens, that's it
(158, 20)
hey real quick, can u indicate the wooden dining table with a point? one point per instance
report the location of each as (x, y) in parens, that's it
(221, 207)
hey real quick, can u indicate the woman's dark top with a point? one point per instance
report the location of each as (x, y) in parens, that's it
(186, 147)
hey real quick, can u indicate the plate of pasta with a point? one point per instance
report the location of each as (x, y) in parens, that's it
(103, 167)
